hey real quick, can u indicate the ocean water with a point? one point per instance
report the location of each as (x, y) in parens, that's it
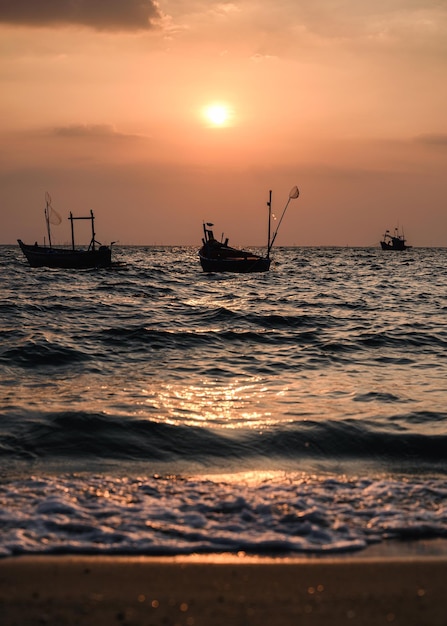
(153, 409)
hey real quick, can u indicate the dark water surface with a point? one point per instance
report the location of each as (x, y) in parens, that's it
(151, 408)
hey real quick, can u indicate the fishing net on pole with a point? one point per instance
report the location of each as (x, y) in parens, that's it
(53, 216)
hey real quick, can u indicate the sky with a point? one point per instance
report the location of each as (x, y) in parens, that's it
(161, 115)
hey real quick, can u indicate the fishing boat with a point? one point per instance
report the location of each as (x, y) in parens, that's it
(96, 255)
(394, 242)
(218, 256)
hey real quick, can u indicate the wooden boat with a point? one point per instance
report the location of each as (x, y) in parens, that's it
(218, 256)
(96, 255)
(394, 242)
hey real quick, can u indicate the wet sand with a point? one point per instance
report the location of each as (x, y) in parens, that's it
(223, 590)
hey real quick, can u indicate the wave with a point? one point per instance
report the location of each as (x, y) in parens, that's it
(134, 340)
(42, 353)
(167, 515)
(78, 435)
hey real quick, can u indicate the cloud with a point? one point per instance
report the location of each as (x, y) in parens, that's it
(91, 131)
(432, 139)
(258, 57)
(111, 15)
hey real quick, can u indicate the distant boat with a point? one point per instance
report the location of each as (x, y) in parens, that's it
(66, 257)
(218, 256)
(394, 242)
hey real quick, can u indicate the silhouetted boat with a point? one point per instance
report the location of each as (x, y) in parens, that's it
(394, 242)
(218, 256)
(66, 257)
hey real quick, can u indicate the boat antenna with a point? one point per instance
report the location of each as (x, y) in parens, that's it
(293, 194)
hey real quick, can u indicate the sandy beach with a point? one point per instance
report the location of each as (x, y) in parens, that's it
(213, 591)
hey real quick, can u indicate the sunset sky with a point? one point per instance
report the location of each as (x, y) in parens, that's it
(159, 115)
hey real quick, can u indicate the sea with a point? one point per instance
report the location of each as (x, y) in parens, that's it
(153, 409)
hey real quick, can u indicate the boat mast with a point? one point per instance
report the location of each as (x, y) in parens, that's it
(269, 204)
(72, 231)
(47, 215)
(93, 229)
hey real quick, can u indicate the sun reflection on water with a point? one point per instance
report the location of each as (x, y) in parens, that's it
(229, 406)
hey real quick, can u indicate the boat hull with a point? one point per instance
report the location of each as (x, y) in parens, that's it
(391, 246)
(245, 265)
(66, 258)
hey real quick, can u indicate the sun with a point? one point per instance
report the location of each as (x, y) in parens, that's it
(217, 114)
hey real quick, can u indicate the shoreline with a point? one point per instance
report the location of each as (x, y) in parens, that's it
(212, 590)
